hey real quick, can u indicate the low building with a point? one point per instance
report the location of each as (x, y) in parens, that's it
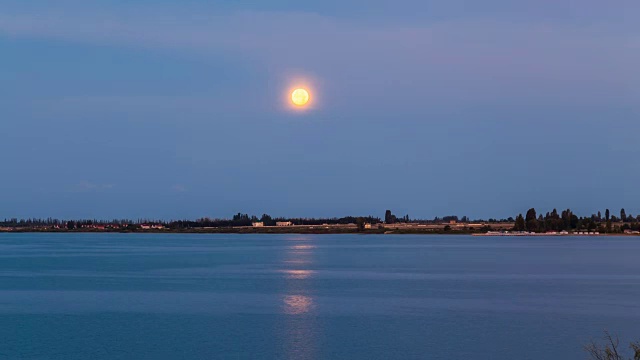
(258, 224)
(367, 226)
(284, 223)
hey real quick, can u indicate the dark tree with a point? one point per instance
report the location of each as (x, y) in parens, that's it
(240, 219)
(541, 224)
(360, 224)
(519, 225)
(606, 215)
(531, 222)
(267, 220)
(573, 223)
(623, 215)
(388, 217)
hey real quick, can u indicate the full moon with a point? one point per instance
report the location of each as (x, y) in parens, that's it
(300, 97)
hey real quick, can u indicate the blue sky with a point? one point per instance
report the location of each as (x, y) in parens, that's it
(173, 109)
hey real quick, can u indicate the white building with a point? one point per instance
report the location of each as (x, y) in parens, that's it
(284, 223)
(257, 224)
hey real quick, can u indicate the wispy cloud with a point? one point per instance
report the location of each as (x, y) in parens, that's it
(456, 59)
(87, 186)
(179, 188)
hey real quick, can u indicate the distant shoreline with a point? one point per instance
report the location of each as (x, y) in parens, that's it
(304, 230)
(553, 223)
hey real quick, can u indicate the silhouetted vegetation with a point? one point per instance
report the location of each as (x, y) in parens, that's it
(568, 221)
(611, 350)
(532, 221)
(237, 220)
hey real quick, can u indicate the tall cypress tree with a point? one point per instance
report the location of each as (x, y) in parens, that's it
(531, 220)
(519, 225)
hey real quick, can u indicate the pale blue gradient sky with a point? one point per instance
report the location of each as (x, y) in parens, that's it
(172, 109)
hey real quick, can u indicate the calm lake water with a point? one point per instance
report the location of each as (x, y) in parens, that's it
(118, 296)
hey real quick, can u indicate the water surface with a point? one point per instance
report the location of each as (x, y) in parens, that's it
(139, 296)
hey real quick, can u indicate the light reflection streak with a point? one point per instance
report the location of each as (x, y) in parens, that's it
(298, 274)
(297, 262)
(298, 305)
(302, 247)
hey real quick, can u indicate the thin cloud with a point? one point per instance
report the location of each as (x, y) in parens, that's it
(477, 59)
(87, 186)
(179, 188)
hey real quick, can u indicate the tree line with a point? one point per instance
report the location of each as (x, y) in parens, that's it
(568, 221)
(531, 221)
(236, 220)
(390, 218)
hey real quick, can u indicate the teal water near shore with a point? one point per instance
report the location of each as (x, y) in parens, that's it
(223, 296)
